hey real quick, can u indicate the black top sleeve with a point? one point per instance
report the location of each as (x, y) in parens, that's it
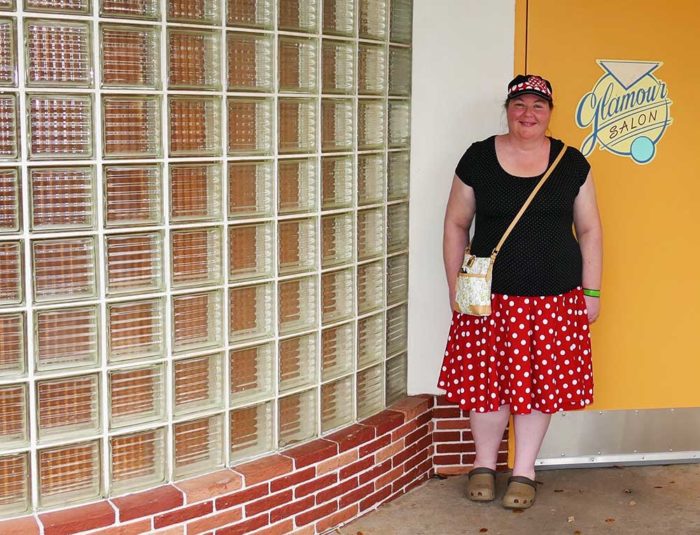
(581, 165)
(465, 167)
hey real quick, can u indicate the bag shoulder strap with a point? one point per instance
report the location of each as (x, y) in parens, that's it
(528, 201)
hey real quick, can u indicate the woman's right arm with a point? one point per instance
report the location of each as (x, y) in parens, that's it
(461, 206)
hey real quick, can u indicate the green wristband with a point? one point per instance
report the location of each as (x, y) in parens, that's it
(591, 293)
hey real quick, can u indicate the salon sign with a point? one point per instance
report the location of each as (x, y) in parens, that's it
(627, 111)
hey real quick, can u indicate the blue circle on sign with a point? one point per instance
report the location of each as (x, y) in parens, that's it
(642, 149)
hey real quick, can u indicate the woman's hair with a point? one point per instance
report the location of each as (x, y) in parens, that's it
(550, 102)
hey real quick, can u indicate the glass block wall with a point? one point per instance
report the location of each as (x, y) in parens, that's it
(203, 234)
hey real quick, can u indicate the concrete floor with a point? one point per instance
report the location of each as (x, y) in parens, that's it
(618, 500)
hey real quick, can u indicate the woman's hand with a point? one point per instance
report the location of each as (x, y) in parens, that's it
(593, 307)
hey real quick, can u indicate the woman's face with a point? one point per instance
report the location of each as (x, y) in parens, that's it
(528, 116)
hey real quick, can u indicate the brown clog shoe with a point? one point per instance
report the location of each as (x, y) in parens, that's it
(520, 493)
(482, 483)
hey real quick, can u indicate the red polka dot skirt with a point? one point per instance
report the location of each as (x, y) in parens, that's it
(533, 353)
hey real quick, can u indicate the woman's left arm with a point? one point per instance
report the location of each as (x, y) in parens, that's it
(590, 238)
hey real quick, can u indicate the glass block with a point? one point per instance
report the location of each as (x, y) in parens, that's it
(12, 345)
(297, 305)
(132, 195)
(9, 127)
(194, 56)
(7, 5)
(370, 391)
(250, 312)
(370, 124)
(251, 373)
(15, 491)
(296, 241)
(336, 125)
(249, 13)
(370, 286)
(339, 17)
(297, 64)
(58, 53)
(398, 175)
(401, 20)
(396, 377)
(249, 126)
(197, 321)
(399, 123)
(297, 362)
(198, 384)
(69, 474)
(64, 268)
(337, 288)
(136, 395)
(371, 69)
(134, 263)
(337, 350)
(338, 66)
(137, 461)
(60, 127)
(396, 329)
(397, 227)
(76, 7)
(370, 233)
(133, 9)
(336, 182)
(131, 127)
(249, 60)
(10, 200)
(130, 56)
(195, 192)
(250, 251)
(14, 416)
(396, 279)
(198, 446)
(8, 53)
(62, 198)
(336, 404)
(196, 11)
(68, 406)
(135, 330)
(66, 338)
(336, 239)
(11, 273)
(296, 185)
(297, 125)
(251, 431)
(371, 179)
(298, 15)
(399, 71)
(297, 418)
(196, 257)
(370, 340)
(373, 19)
(249, 189)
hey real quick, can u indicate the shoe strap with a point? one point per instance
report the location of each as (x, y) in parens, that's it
(482, 470)
(524, 480)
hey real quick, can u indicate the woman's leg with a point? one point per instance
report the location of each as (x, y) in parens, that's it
(487, 429)
(530, 430)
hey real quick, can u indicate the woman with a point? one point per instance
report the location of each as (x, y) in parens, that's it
(531, 356)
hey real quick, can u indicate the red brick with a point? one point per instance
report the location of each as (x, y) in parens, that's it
(317, 484)
(336, 519)
(399, 458)
(292, 508)
(416, 460)
(373, 446)
(210, 485)
(447, 459)
(468, 458)
(448, 412)
(389, 477)
(208, 523)
(455, 447)
(351, 436)
(183, 514)
(416, 483)
(83, 518)
(375, 472)
(314, 514)
(412, 406)
(357, 494)
(453, 424)
(242, 496)
(452, 470)
(172, 530)
(404, 430)
(148, 503)
(442, 400)
(26, 525)
(337, 490)
(375, 498)
(416, 435)
(312, 452)
(132, 528)
(425, 442)
(384, 422)
(248, 525)
(306, 530)
(467, 436)
(278, 529)
(267, 503)
(447, 436)
(405, 479)
(354, 468)
(292, 479)
(388, 452)
(264, 469)
(332, 464)
(423, 419)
